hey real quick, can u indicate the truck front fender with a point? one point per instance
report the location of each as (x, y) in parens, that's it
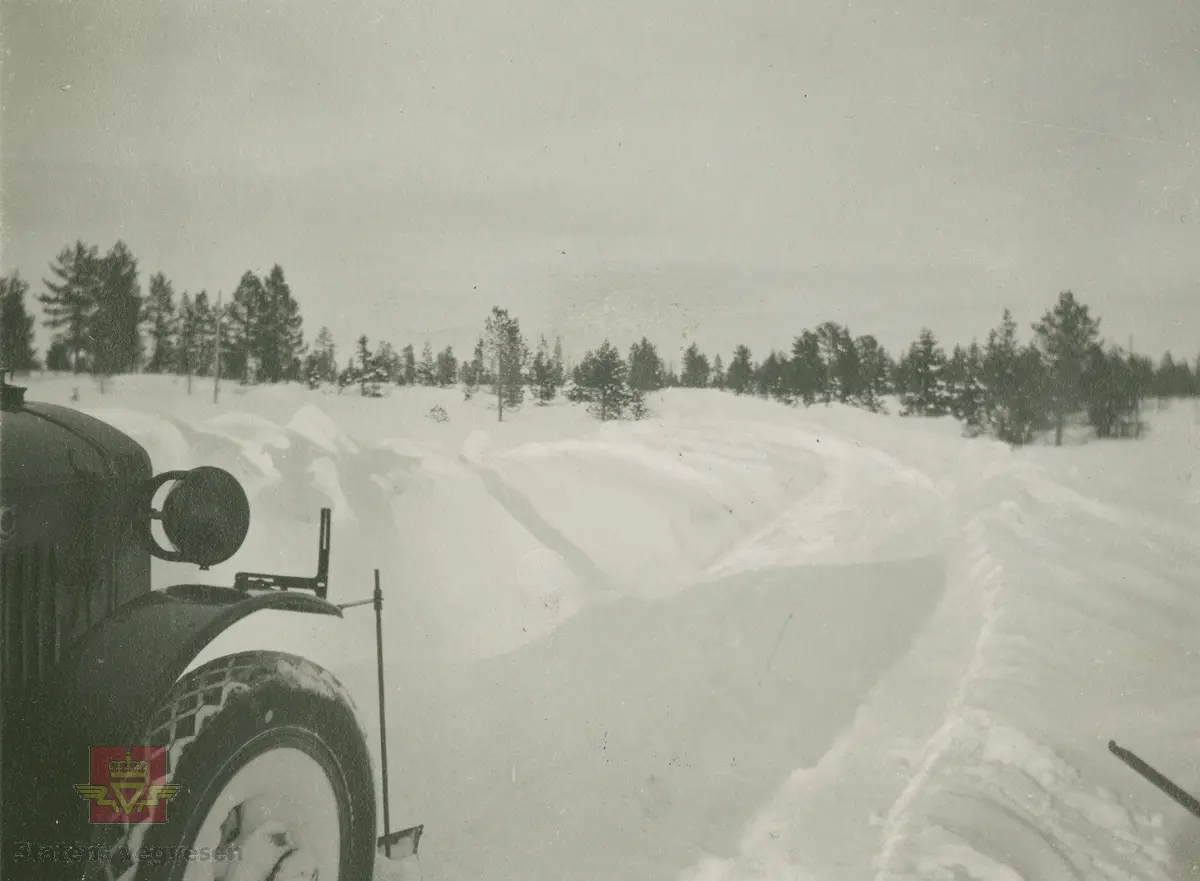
(108, 685)
(114, 677)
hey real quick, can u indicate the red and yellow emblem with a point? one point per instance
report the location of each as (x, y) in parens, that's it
(123, 787)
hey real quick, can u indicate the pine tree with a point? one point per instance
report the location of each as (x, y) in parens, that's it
(1065, 336)
(247, 325)
(740, 376)
(446, 367)
(968, 396)
(389, 362)
(1110, 391)
(808, 375)
(872, 371)
(113, 325)
(473, 373)
(71, 299)
(409, 365)
(771, 378)
(601, 379)
(314, 373)
(426, 368)
(279, 345)
(16, 325)
(645, 368)
(161, 322)
(926, 392)
(840, 358)
(58, 356)
(558, 365)
(637, 404)
(696, 368)
(367, 372)
(542, 373)
(718, 374)
(206, 335)
(506, 348)
(1013, 383)
(325, 353)
(185, 339)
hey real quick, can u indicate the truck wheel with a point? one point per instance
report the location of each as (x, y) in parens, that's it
(275, 775)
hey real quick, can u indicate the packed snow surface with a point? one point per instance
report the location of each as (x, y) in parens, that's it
(737, 640)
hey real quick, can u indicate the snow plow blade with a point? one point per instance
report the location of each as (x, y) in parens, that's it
(399, 850)
(1177, 793)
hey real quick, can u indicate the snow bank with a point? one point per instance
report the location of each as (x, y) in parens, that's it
(311, 423)
(1068, 620)
(739, 640)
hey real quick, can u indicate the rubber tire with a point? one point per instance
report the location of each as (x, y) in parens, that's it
(215, 721)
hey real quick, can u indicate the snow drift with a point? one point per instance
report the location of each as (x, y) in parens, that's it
(738, 640)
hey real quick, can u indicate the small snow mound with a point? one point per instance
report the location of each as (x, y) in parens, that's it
(542, 576)
(953, 861)
(251, 428)
(325, 479)
(401, 447)
(312, 424)
(473, 447)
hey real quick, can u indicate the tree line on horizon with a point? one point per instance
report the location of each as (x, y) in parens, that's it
(102, 324)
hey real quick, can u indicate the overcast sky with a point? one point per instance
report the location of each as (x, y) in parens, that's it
(724, 172)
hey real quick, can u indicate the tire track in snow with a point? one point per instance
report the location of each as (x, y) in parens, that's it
(843, 519)
(525, 513)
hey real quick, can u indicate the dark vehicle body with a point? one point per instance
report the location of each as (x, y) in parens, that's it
(91, 656)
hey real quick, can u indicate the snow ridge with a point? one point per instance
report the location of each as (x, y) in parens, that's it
(981, 569)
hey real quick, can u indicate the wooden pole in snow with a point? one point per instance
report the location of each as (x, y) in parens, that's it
(217, 354)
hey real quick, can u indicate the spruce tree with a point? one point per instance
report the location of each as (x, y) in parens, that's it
(426, 368)
(601, 379)
(645, 367)
(446, 367)
(16, 325)
(872, 370)
(161, 321)
(1065, 336)
(388, 361)
(409, 365)
(926, 392)
(1110, 391)
(247, 324)
(696, 368)
(71, 300)
(279, 345)
(113, 325)
(718, 374)
(808, 376)
(1013, 381)
(543, 375)
(508, 353)
(559, 367)
(740, 376)
(325, 352)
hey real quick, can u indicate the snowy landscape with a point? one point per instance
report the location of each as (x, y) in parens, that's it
(776, 427)
(734, 640)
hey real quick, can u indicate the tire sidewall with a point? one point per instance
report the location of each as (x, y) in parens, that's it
(204, 795)
(265, 712)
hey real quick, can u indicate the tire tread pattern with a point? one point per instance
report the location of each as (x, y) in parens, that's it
(197, 698)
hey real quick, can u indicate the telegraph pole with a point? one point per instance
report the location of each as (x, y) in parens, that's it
(217, 353)
(1137, 401)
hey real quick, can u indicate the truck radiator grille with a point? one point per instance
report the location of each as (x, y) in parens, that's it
(44, 607)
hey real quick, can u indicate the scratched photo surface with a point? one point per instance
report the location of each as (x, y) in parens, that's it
(773, 429)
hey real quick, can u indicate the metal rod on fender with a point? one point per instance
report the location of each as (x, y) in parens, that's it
(387, 824)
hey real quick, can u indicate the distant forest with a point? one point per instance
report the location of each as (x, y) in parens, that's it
(102, 323)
